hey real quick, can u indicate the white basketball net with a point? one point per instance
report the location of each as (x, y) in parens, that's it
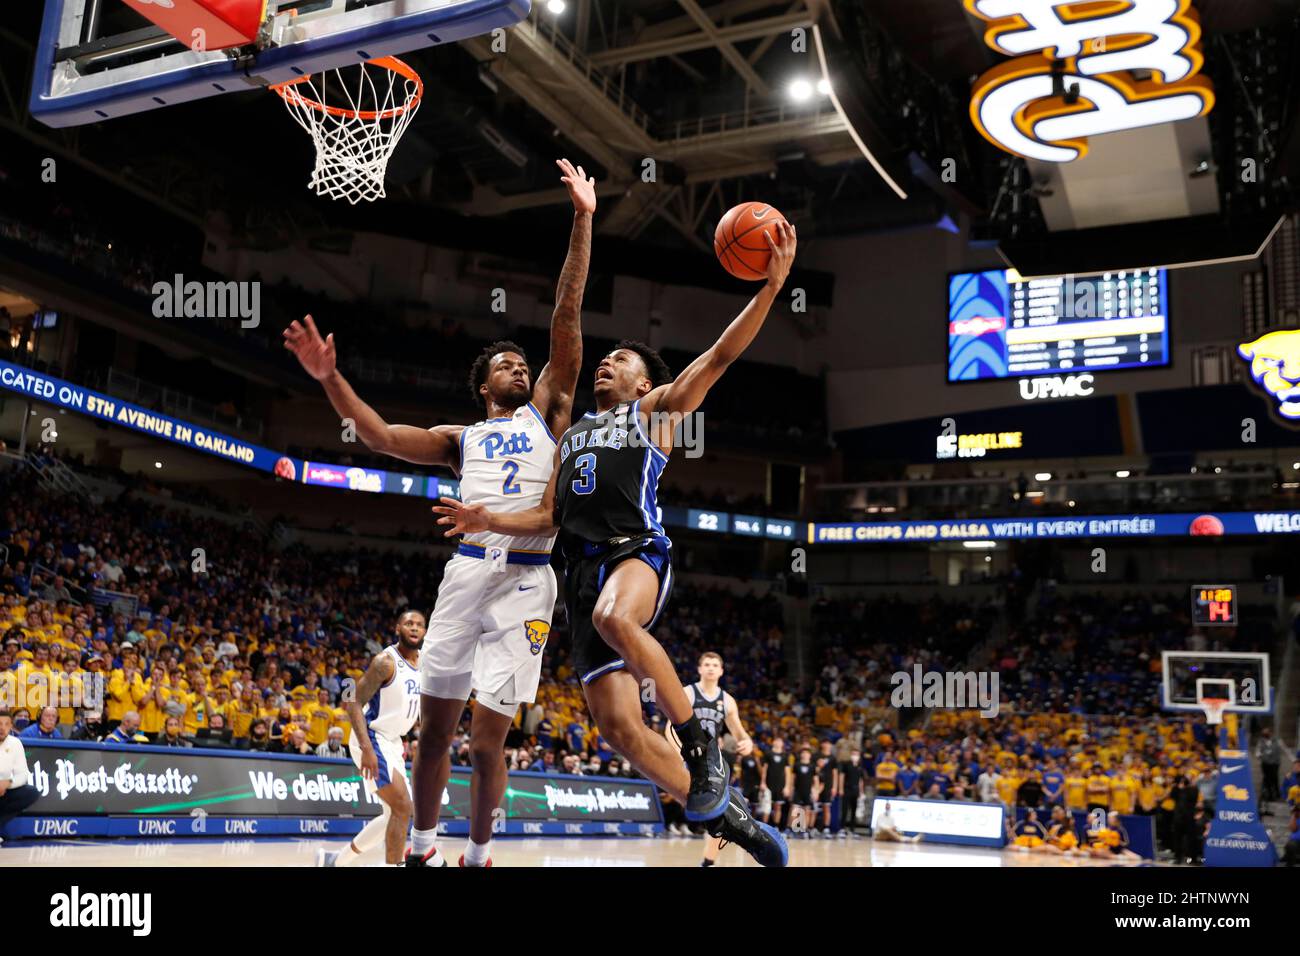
(355, 120)
(1214, 708)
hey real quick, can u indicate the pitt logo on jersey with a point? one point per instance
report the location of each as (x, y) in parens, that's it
(495, 443)
(536, 632)
(1275, 366)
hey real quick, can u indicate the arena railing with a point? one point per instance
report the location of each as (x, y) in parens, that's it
(119, 602)
(999, 496)
(78, 595)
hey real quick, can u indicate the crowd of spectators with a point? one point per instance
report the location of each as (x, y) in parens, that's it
(207, 625)
(1088, 653)
(196, 634)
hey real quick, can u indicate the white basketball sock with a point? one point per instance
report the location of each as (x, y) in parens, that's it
(422, 841)
(425, 842)
(476, 854)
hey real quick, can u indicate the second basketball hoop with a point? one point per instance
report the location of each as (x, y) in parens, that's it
(355, 116)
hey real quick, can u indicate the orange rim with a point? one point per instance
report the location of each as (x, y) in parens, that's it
(390, 63)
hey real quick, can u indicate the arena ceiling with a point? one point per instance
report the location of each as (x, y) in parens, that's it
(705, 90)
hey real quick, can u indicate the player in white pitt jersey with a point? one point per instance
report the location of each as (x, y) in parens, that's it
(383, 708)
(493, 614)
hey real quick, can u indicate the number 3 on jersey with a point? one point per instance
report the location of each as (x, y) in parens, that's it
(584, 481)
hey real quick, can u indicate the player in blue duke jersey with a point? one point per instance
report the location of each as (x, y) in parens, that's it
(493, 614)
(602, 500)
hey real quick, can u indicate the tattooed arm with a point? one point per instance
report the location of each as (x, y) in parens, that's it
(553, 393)
(379, 673)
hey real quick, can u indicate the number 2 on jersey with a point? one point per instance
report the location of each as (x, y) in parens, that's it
(509, 486)
(584, 470)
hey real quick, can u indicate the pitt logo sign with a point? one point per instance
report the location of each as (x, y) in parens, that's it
(1075, 72)
(1275, 366)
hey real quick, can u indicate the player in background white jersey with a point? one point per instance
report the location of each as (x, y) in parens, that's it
(383, 707)
(494, 607)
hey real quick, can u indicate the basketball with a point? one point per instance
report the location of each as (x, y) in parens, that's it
(739, 239)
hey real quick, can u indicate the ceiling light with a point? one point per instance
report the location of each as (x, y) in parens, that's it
(824, 86)
(555, 7)
(800, 90)
(1122, 474)
(1043, 476)
(157, 464)
(979, 545)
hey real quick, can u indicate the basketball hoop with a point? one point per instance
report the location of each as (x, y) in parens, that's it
(1214, 708)
(355, 122)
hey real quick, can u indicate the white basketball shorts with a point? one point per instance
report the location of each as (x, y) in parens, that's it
(391, 765)
(488, 632)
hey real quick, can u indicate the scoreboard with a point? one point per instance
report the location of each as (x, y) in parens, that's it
(1001, 325)
(752, 526)
(1214, 605)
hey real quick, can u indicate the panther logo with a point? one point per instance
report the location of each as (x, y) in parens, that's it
(1275, 366)
(537, 632)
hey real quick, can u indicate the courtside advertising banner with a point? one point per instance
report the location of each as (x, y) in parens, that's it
(99, 789)
(107, 408)
(941, 821)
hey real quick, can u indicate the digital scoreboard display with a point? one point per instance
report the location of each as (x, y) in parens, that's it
(396, 483)
(1214, 604)
(1003, 326)
(708, 520)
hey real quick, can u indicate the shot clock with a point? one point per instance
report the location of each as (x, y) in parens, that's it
(1214, 604)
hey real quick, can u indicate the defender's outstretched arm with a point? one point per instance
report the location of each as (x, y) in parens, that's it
(422, 446)
(553, 393)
